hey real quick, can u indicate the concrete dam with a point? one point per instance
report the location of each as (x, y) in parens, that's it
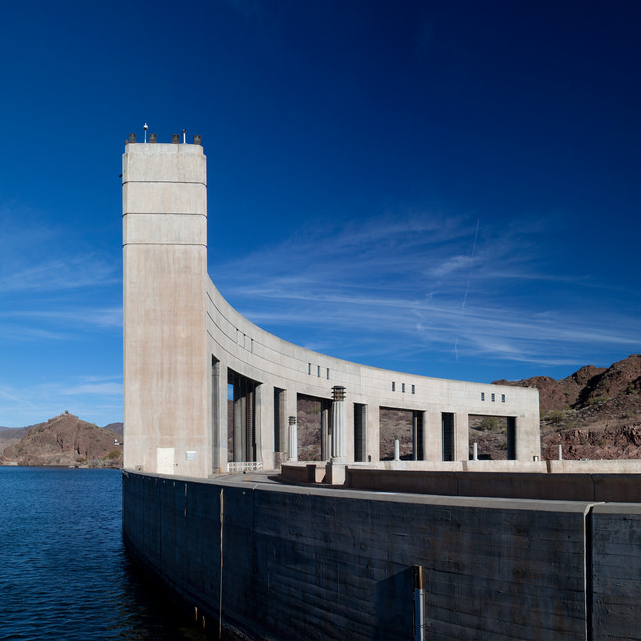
(348, 547)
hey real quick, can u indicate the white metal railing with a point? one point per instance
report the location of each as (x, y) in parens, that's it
(244, 466)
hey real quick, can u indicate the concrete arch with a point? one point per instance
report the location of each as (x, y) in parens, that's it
(183, 341)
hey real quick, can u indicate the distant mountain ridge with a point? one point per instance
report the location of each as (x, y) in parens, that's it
(64, 440)
(580, 389)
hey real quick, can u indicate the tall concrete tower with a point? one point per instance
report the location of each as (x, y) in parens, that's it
(166, 369)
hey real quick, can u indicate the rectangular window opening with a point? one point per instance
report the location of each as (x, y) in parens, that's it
(447, 436)
(393, 386)
(413, 389)
(493, 397)
(482, 396)
(502, 398)
(403, 388)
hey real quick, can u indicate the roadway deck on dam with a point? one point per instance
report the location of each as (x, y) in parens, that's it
(270, 481)
(586, 488)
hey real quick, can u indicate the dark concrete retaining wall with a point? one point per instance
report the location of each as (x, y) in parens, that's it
(315, 563)
(524, 485)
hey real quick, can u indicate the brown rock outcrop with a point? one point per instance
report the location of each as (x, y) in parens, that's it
(67, 441)
(594, 413)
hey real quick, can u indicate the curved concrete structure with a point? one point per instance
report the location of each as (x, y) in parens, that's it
(316, 562)
(185, 347)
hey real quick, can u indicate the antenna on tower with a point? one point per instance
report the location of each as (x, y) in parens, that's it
(145, 128)
(184, 136)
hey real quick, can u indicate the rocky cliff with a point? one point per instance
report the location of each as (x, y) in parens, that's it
(68, 441)
(594, 413)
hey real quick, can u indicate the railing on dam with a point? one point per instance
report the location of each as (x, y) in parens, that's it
(244, 466)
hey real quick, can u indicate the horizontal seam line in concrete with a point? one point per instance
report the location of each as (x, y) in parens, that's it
(167, 182)
(156, 213)
(179, 244)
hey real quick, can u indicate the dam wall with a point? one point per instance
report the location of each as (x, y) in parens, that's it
(321, 563)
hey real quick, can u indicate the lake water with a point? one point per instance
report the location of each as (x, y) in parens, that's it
(64, 572)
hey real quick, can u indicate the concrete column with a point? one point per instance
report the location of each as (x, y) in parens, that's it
(248, 415)
(264, 422)
(238, 423)
(219, 417)
(349, 431)
(293, 439)
(282, 426)
(339, 424)
(461, 437)
(373, 439)
(528, 439)
(432, 438)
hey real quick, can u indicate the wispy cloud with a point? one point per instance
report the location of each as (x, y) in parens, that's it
(41, 258)
(73, 324)
(57, 274)
(95, 399)
(432, 284)
(102, 317)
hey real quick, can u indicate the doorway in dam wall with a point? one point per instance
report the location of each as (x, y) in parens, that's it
(314, 431)
(241, 423)
(495, 437)
(404, 425)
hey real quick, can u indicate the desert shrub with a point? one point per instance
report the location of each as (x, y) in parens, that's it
(555, 416)
(595, 400)
(114, 454)
(489, 423)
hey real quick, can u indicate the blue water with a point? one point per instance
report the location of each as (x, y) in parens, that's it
(64, 572)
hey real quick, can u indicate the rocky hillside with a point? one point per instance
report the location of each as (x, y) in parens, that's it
(65, 440)
(11, 436)
(594, 413)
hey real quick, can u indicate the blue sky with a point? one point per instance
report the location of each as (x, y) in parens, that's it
(449, 188)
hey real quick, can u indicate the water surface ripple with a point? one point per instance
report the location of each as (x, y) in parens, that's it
(64, 572)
